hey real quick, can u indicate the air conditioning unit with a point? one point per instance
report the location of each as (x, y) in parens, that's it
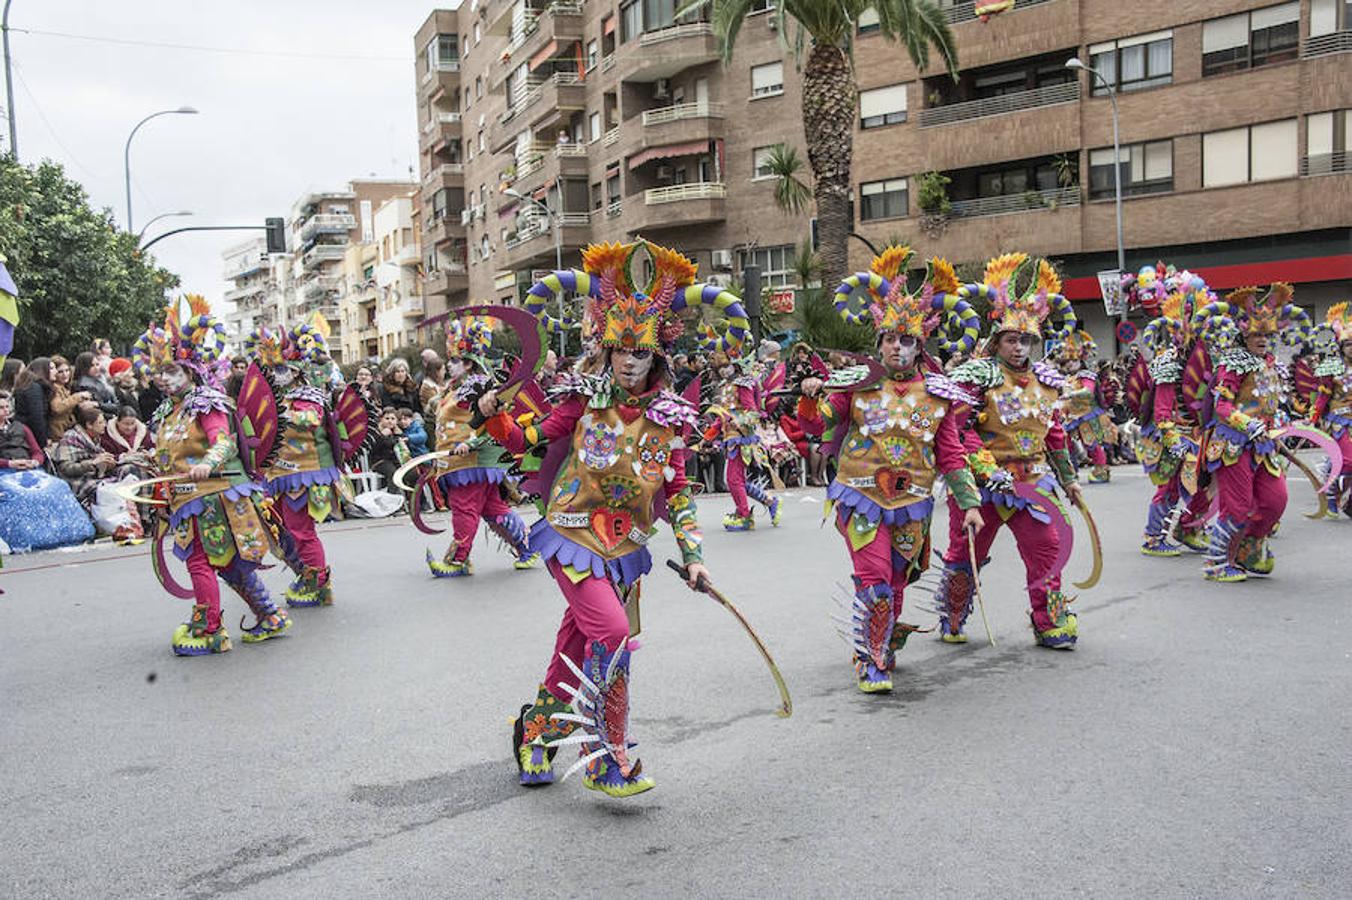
(465, 215)
(722, 279)
(661, 89)
(478, 212)
(722, 259)
(664, 172)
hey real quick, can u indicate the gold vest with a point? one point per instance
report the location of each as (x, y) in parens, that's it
(1015, 421)
(603, 495)
(1260, 394)
(298, 450)
(180, 444)
(1340, 404)
(453, 428)
(889, 454)
(1079, 398)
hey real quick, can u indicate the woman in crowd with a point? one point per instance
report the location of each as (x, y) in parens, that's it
(32, 398)
(129, 441)
(36, 510)
(80, 457)
(433, 380)
(366, 386)
(397, 389)
(62, 407)
(88, 377)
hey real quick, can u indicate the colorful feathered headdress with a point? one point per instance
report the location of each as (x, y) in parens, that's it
(892, 306)
(468, 339)
(308, 343)
(1339, 319)
(641, 316)
(1172, 327)
(152, 350)
(1148, 288)
(1243, 312)
(196, 342)
(1076, 345)
(1027, 311)
(266, 347)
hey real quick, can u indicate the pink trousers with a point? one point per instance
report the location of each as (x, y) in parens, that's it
(469, 504)
(1097, 455)
(1251, 495)
(594, 613)
(734, 474)
(302, 528)
(1037, 543)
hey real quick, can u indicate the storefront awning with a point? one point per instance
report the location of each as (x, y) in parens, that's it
(689, 148)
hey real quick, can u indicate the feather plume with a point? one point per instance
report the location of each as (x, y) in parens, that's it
(892, 261)
(671, 265)
(320, 324)
(1241, 297)
(1048, 281)
(942, 276)
(1173, 307)
(1001, 269)
(1280, 294)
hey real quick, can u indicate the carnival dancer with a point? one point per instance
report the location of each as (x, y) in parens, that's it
(1083, 402)
(615, 463)
(212, 504)
(304, 476)
(737, 412)
(893, 434)
(1332, 410)
(1015, 438)
(1237, 447)
(473, 466)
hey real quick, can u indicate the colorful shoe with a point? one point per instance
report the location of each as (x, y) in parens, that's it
(1220, 566)
(1224, 573)
(1193, 539)
(534, 728)
(526, 562)
(311, 588)
(601, 714)
(775, 511)
(1254, 557)
(734, 522)
(1100, 475)
(871, 633)
(953, 602)
(441, 568)
(1065, 628)
(275, 625)
(192, 638)
(1158, 546)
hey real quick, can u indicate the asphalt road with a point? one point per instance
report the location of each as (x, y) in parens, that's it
(1195, 745)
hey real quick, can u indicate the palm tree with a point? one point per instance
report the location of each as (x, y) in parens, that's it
(825, 28)
(785, 166)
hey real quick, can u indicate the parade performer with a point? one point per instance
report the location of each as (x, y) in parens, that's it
(1332, 410)
(213, 506)
(471, 466)
(304, 475)
(615, 463)
(738, 411)
(1083, 402)
(891, 429)
(1245, 391)
(1016, 449)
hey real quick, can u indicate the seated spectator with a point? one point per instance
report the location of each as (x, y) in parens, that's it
(130, 442)
(62, 408)
(365, 382)
(33, 393)
(88, 377)
(415, 433)
(80, 458)
(125, 387)
(37, 511)
(384, 453)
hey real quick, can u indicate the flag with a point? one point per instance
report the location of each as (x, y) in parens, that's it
(9, 310)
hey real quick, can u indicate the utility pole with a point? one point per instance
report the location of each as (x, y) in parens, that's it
(9, 85)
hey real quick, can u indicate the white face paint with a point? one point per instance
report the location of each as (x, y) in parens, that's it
(283, 375)
(1013, 348)
(176, 381)
(631, 368)
(898, 351)
(455, 368)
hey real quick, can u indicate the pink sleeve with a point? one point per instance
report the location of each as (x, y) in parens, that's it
(214, 423)
(678, 481)
(746, 398)
(1056, 435)
(1225, 404)
(949, 453)
(1166, 398)
(560, 422)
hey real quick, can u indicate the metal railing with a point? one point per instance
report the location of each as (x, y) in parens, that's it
(675, 32)
(570, 149)
(574, 219)
(1016, 203)
(614, 209)
(697, 110)
(695, 190)
(998, 106)
(323, 253)
(523, 102)
(444, 169)
(448, 118)
(530, 166)
(1327, 45)
(445, 65)
(1326, 164)
(330, 222)
(608, 63)
(610, 136)
(966, 12)
(317, 288)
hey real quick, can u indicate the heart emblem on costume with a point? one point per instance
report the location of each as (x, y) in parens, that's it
(611, 526)
(892, 482)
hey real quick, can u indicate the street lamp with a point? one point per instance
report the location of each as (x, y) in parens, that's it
(9, 86)
(146, 227)
(557, 225)
(126, 151)
(1075, 63)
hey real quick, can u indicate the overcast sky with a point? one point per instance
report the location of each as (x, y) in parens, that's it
(336, 102)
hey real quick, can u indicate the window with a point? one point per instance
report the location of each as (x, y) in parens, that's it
(631, 22)
(1132, 64)
(478, 34)
(882, 106)
(594, 126)
(1329, 16)
(767, 80)
(776, 264)
(591, 55)
(1249, 40)
(1327, 136)
(987, 86)
(481, 142)
(1146, 169)
(1257, 153)
(484, 247)
(658, 14)
(598, 199)
(868, 21)
(760, 163)
(882, 200)
(760, 6)
(442, 51)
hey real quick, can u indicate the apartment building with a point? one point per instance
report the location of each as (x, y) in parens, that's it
(249, 268)
(381, 300)
(618, 121)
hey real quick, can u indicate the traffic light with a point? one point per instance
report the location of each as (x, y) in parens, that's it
(276, 232)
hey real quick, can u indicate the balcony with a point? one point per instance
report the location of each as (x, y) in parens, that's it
(543, 163)
(238, 295)
(611, 137)
(535, 239)
(966, 12)
(445, 281)
(446, 175)
(327, 223)
(321, 286)
(684, 123)
(1322, 164)
(412, 306)
(560, 23)
(439, 120)
(444, 69)
(322, 253)
(666, 51)
(678, 205)
(1327, 45)
(1015, 203)
(447, 228)
(999, 106)
(562, 95)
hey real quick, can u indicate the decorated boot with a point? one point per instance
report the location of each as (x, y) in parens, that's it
(1220, 564)
(1100, 475)
(1194, 539)
(310, 589)
(601, 713)
(526, 560)
(269, 621)
(953, 602)
(512, 531)
(734, 522)
(1254, 556)
(532, 733)
(448, 568)
(270, 626)
(758, 493)
(1155, 542)
(1064, 628)
(871, 625)
(193, 639)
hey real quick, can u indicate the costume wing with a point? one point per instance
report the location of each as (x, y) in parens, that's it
(256, 417)
(353, 424)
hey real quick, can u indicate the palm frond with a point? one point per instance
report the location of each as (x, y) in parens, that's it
(792, 194)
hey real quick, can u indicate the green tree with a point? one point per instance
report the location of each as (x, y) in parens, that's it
(791, 194)
(830, 101)
(79, 276)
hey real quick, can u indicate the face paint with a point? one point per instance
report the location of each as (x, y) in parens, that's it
(175, 381)
(283, 375)
(455, 368)
(1013, 348)
(631, 368)
(898, 351)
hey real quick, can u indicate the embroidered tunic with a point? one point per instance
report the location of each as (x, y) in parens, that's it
(305, 471)
(1248, 388)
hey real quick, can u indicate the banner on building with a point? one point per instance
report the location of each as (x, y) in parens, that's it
(1110, 287)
